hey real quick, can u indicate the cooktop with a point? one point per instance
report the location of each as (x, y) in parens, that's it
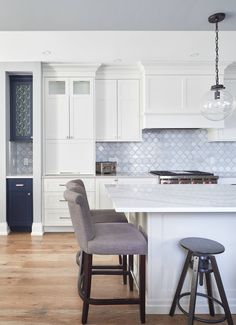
(180, 173)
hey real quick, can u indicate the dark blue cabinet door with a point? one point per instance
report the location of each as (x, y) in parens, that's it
(21, 100)
(19, 204)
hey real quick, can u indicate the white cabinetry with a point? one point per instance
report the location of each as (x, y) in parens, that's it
(118, 110)
(102, 199)
(229, 131)
(69, 139)
(56, 212)
(173, 93)
(69, 108)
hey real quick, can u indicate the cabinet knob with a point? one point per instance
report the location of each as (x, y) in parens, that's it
(29, 193)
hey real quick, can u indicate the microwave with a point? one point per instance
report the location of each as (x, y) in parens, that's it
(106, 167)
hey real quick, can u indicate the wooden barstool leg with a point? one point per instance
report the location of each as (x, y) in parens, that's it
(221, 290)
(142, 286)
(124, 269)
(180, 284)
(209, 293)
(193, 290)
(131, 268)
(87, 265)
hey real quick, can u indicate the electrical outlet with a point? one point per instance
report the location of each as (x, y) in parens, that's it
(26, 162)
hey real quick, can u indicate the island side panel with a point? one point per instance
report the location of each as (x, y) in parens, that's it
(166, 257)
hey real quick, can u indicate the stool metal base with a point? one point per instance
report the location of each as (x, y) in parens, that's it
(199, 319)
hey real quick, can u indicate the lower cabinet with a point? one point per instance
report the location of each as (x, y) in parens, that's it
(56, 212)
(102, 199)
(20, 204)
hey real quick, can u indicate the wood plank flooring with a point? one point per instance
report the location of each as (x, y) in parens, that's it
(38, 285)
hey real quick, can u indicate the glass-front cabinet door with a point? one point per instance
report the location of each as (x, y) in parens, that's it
(21, 108)
(81, 109)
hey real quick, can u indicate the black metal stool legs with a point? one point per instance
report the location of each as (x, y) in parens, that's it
(221, 290)
(209, 293)
(193, 295)
(180, 284)
(131, 268)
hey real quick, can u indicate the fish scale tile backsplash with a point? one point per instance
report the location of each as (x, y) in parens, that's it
(170, 149)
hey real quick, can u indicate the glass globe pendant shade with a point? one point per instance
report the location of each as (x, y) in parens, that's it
(217, 104)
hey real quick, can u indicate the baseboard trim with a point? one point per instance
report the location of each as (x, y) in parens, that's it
(4, 229)
(37, 229)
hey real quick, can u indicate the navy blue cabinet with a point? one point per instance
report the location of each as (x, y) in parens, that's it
(21, 101)
(20, 204)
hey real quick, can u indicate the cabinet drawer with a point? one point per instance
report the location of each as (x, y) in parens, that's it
(57, 217)
(55, 200)
(59, 185)
(19, 184)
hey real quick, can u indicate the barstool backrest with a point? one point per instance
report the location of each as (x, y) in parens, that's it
(77, 185)
(80, 216)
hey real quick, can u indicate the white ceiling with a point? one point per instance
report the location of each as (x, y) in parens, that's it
(34, 15)
(114, 30)
(118, 46)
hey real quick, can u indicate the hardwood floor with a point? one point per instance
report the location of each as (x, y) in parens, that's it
(38, 285)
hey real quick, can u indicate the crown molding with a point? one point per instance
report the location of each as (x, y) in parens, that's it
(70, 69)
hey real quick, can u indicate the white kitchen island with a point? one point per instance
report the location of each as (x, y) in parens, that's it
(169, 213)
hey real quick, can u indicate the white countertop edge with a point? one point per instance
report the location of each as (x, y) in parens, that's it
(177, 209)
(19, 176)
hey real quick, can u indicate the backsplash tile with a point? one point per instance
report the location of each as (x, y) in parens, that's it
(170, 149)
(19, 151)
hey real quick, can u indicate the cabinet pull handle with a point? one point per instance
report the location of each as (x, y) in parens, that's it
(64, 217)
(62, 200)
(62, 184)
(20, 185)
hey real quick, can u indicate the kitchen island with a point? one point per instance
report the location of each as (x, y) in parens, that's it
(168, 213)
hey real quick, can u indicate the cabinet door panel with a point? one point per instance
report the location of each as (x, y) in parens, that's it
(128, 110)
(106, 110)
(56, 109)
(230, 86)
(196, 87)
(69, 156)
(164, 94)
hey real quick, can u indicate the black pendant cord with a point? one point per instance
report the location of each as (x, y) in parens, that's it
(217, 54)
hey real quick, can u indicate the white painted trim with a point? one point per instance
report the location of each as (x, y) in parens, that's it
(4, 229)
(37, 229)
(70, 69)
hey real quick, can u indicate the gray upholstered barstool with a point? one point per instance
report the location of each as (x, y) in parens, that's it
(201, 260)
(99, 215)
(103, 216)
(104, 239)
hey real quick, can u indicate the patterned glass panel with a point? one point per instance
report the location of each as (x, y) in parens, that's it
(81, 88)
(57, 87)
(23, 110)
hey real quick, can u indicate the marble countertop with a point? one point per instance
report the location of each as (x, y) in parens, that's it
(19, 176)
(173, 198)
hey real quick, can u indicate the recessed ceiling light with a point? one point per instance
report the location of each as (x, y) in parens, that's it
(46, 52)
(117, 60)
(194, 55)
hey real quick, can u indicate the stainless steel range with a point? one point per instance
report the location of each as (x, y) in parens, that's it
(185, 177)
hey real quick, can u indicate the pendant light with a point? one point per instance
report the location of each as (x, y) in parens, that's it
(217, 103)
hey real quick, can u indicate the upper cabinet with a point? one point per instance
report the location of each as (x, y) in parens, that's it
(21, 102)
(173, 93)
(117, 107)
(69, 143)
(69, 108)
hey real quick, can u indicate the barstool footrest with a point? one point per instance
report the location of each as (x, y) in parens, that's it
(199, 319)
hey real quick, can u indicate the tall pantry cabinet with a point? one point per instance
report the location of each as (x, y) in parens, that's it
(69, 120)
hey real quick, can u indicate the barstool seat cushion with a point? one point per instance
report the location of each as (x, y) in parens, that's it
(108, 215)
(202, 246)
(117, 239)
